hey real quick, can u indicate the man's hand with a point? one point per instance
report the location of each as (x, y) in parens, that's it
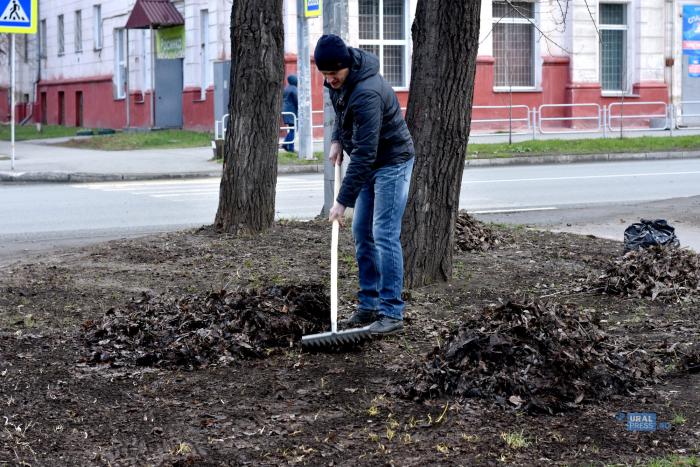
(337, 213)
(336, 153)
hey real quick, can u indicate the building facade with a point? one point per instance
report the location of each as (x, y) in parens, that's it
(76, 71)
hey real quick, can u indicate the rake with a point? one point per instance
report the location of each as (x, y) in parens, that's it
(335, 339)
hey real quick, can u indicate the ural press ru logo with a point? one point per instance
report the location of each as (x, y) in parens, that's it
(641, 421)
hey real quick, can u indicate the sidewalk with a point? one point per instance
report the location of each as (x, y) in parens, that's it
(39, 161)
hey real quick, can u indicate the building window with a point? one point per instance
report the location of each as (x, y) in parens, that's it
(78, 31)
(97, 26)
(613, 45)
(514, 44)
(61, 37)
(120, 63)
(204, 53)
(383, 26)
(42, 38)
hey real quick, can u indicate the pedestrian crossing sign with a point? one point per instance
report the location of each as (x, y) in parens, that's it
(18, 16)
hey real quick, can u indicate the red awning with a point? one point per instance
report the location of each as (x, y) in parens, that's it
(154, 13)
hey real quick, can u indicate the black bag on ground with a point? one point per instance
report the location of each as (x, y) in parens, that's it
(646, 233)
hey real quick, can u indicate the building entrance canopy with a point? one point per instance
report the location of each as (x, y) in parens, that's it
(154, 14)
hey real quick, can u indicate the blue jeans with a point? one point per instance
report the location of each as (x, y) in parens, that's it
(289, 138)
(376, 228)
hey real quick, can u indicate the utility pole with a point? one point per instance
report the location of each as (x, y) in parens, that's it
(304, 129)
(335, 21)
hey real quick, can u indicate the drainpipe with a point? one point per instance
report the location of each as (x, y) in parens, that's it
(669, 45)
(128, 83)
(38, 62)
(153, 78)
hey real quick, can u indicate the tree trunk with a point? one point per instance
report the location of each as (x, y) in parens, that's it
(247, 192)
(439, 116)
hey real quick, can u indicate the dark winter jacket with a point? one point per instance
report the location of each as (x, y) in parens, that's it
(369, 124)
(289, 98)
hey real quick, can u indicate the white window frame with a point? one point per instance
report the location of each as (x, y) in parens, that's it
(61, 32)
(78, 31)
(119, 63)
(97, 26)
(536, 58)
(43, 43)
(629, 49)
(405, 42)
(204, 74)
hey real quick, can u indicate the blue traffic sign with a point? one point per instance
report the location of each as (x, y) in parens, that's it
(18, 16)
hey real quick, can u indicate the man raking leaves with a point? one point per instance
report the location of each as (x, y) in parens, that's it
(370, 128)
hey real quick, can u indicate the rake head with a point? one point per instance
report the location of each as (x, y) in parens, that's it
(336, 340)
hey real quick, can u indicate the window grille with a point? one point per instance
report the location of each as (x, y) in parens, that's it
(514, 44)
(97, 26)
(613, 45)
(61, 37)
(204, 53)
(78, 31)
(383, 33)
(120, 63)
(42, 38)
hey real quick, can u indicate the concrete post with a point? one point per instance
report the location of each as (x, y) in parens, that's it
(335, 21)
(304, 130)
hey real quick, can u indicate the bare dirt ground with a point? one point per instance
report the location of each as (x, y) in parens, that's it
(60, 404)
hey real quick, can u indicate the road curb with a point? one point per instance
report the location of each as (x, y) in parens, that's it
(86, 177)
(89, 177)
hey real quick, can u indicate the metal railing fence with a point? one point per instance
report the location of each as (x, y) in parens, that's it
(549, 119)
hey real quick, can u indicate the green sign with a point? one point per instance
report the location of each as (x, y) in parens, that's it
(170, 42)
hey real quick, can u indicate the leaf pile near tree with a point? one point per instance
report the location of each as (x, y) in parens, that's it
(533, 356)
(471, 234)
(196, 331)
(659, 273)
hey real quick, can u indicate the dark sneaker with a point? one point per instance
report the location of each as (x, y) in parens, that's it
(360, 318)
(385, 325)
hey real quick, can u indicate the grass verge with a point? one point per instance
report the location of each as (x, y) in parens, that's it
(124, 141)
(586, 146)
(27, 132)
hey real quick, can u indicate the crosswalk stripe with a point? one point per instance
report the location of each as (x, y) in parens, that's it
(183, 190)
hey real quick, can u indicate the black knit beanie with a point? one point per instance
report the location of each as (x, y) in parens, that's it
(331, 53)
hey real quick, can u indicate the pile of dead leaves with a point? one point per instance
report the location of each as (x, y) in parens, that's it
(471, 234)
(195, 331)
(659, 273)
(534, 356)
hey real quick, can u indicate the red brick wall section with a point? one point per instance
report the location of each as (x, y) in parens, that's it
(100, 109)
(140, 109)
(4, 105)
(198, 114)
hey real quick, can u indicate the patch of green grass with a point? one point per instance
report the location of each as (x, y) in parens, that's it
(515, 440)
(27, 132)
(675, 461)
(123, 141)
(291, 158)
(678, 419)
(586, 146)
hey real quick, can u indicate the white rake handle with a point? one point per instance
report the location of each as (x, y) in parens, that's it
(334, 257)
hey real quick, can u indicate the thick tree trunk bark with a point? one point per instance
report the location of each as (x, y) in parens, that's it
(247, 192)
(445, 43)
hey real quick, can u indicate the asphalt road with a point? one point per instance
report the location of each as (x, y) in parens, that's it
(595, 198)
